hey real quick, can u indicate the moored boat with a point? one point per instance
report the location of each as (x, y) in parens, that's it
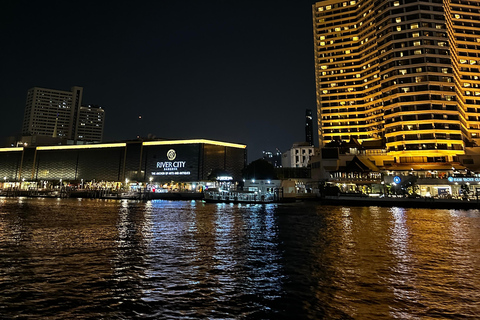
(222, 196)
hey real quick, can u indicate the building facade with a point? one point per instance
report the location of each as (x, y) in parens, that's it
(59, 114)
(309, 127)
(90, 123)
(298, 156)
(401, 71)
(153, 161)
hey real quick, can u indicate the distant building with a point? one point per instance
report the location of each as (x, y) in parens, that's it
(59, 114)
(298, 156)
(275, 158)
(90, 123)
(309, 127)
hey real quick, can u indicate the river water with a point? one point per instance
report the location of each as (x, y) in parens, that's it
(120, 259)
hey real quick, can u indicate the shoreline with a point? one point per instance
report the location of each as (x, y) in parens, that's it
(427, 203)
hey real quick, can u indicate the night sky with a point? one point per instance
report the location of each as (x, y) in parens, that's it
(238, 71)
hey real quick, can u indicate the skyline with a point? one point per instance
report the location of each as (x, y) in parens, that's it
(242, 73)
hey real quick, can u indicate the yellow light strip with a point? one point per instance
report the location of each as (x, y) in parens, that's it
(11, 149)
(171, 142)
(84, 146)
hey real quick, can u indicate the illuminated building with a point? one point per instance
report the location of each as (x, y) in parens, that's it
(141, 161)
(90, 123)
(275, 158)
(400, 71)
(59, 114)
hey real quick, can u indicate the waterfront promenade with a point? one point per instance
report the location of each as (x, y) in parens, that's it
(341, 200)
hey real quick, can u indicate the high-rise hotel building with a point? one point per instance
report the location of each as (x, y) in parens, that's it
(60, 114)
(405, 72)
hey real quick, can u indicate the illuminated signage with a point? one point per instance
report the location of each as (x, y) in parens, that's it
(463, 179)
(171, 168)
(397, 179)
(171, 154)
(169, 165)
(224, 178)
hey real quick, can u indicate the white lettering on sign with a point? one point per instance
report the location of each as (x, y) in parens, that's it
(176, 173)
(463, 179)
(169, 165)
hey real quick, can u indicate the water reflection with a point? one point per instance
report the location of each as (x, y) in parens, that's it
(173, 259)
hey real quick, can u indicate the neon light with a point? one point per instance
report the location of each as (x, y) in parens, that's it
(11, 149)
(84, 146)
(218, 143)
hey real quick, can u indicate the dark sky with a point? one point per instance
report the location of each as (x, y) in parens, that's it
(236, 71)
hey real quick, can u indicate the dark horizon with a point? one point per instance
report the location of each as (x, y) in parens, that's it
(240, 72)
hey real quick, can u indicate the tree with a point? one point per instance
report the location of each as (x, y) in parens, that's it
(259, 169)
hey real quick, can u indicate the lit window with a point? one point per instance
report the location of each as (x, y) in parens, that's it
(416, 34)
(417, 52)
(320, 8)
(322, 37)
(418, 70)
(396, 3)
(402, 72)
(457, 16)
(323, 67)
(442, 43)
(347, 51)
(355, 38)
(399, 19)
(414, 26)
(328, 7)
(416, 43)
(338, 29)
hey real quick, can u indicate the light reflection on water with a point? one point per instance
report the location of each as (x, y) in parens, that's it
(190, 260)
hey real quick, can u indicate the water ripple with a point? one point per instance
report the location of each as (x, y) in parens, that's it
(96, 259)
